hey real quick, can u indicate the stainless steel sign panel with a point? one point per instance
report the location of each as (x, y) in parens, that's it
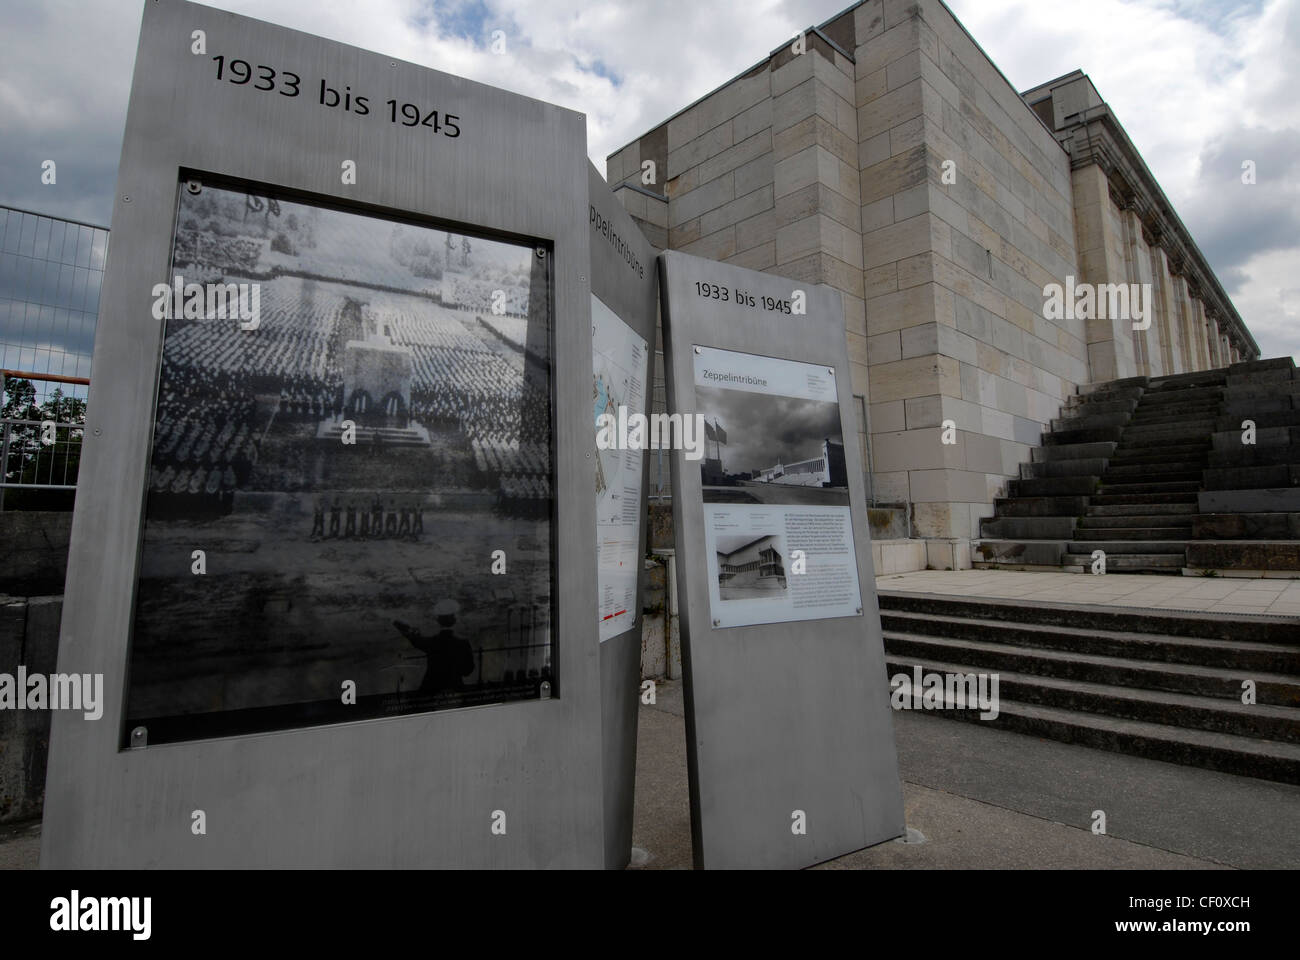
(626, 284)
(281, 114)
(790, 735)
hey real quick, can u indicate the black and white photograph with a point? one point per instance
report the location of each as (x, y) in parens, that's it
(766, 448)
(490, 435)
(339, 460)
(751, 568)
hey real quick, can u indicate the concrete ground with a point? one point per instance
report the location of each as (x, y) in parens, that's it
(1277, 597)
(977, 797)
(989, 799)
(981, 799)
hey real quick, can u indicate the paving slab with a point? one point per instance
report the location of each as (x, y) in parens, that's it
(1276, 597)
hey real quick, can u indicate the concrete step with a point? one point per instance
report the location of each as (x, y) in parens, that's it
(1076, 405)
(1063, 468)
(1198, 429)
(1260, 456)
(1027, 528)
(1182, 394)
(1128, 387)
(1246, 526)
(1170, 563)
(1099, 435)
(1216, 375)
(1187, 712)
(1053, 487)
(1259, 500)
(1154, 400)
(1119, 511)
(1276, 689)
(1149, 534)
(1155, 471)
(1242, 756)
(1162, 648)
(1253, 478)
(1156, 405)
(1040, 506)
(1088, 421)
(1072, 451)
(1018, 553)
(1144, 453)
(1163, 486)
(1172, 545)
(1260, 375)
(1142, 499)
(1184, 522)
(1252, 366)
(1155, 480)
(1278, 558)
(1141, 419)
(1208, 626)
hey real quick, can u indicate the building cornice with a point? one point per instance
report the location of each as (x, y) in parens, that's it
(1096, 137)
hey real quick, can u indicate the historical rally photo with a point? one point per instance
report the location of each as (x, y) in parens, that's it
(323, 476)
(766, 448)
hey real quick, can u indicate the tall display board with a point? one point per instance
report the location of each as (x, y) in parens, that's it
(789, 734)
(624, 305)
(332, 548)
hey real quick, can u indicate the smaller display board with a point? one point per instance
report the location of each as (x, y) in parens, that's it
(790, 738)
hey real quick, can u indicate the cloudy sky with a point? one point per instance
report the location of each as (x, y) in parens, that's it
(1200, 86)
(763, 429)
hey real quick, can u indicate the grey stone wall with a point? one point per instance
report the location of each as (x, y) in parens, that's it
(29, 635)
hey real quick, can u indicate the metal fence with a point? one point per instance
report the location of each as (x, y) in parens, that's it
(40, 454)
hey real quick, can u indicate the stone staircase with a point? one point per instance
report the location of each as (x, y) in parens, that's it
(1126, 470)
(1162, 685)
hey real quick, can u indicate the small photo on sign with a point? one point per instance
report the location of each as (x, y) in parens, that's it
(778, 531)
(751, 568)
(765, 446)
(350, 497)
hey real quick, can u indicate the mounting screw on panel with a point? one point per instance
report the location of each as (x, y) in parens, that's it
(139, 738)
(193, 186)
(545, 691)
(541, 253)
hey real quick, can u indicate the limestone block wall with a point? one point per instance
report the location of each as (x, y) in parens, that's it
(763, 173)
(955, 270)
(894, 162)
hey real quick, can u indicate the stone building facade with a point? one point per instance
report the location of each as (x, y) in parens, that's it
(885, 155)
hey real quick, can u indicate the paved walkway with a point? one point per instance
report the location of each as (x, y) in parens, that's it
(1203, 594)
(980, 798)
(989, 799)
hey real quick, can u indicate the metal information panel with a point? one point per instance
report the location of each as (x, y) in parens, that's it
(624, 305)
(333, 543)
(790, 738)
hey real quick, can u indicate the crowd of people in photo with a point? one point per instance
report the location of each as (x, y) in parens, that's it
(209, 426)
(480, 296)
(360, 516)
(201, 249)
(203, 441)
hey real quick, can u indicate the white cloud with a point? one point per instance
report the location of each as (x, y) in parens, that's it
(1178, 74)
(1190, 83)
